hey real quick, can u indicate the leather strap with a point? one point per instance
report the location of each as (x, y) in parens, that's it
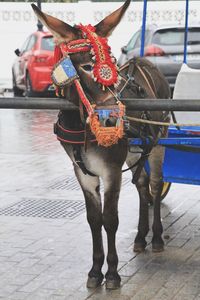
(79, 161)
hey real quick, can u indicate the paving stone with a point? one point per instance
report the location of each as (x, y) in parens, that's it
(164, 294)
(184, 297)
(18, 296)
(19, 256)
(40, 294)
(22, 279)
(36, 283)
(7, 289)
(177, 242)
(28, 262)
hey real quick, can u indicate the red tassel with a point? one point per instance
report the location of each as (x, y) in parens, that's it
(57, 54)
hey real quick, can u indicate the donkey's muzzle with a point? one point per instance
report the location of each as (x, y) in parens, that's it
(107, 124)
(108, 115)
(110, 122)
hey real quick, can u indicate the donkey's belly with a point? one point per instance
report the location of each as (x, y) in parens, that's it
(98, 159)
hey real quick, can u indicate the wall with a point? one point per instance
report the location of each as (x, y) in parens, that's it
(17, 21)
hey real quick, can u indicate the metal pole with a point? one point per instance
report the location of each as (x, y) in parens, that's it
(36, 103)
(143, 28)
(162, 104)
(39, 24)
(186, 31)
(131, 104)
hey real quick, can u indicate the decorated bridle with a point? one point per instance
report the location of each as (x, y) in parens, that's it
(104, 72)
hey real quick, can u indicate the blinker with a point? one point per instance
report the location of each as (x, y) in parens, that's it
(64, 72)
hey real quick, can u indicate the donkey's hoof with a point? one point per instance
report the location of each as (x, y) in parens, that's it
(94, 282)
(156, 248)
(139, 247)
(112, 281)
(113, 284)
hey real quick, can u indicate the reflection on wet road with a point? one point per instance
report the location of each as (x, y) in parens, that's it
(22, 131)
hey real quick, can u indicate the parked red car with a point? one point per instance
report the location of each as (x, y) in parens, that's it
(31, 71)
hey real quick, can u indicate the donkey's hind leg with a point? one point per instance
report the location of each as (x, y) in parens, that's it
(90, 186)
(156, 183)
(142, 186)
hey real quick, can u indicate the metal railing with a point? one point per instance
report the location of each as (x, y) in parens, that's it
(131, 104)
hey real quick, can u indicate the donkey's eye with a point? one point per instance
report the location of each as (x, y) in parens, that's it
(87, 68)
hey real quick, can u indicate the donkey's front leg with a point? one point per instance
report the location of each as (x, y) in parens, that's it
(112, 184)
(90, 186)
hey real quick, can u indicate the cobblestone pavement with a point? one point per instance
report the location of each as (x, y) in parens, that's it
(45, 241)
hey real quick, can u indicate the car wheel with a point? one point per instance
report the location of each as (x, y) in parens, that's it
(29, 90)
(16, 91)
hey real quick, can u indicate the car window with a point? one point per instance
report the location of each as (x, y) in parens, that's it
(47, 43)
(175, 36)
(31, 42)
(138, 41)
(193, 36)
(133, 40)
(24, 46)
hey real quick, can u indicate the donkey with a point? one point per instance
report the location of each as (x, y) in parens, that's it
(94, 136)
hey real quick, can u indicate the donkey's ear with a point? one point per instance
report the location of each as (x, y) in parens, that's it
(107, 25)
(60, 30)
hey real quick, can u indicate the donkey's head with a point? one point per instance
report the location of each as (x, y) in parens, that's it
(87, 57)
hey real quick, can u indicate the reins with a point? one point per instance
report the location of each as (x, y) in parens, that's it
(161, 123)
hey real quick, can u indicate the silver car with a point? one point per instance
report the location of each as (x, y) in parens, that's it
(164, 47)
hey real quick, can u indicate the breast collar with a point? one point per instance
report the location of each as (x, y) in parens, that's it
(72, 136)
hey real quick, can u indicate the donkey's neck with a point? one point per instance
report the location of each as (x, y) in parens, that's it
(71, 120)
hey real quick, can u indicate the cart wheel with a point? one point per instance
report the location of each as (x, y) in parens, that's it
(165, 190)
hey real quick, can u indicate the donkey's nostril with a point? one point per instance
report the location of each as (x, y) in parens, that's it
(110, 122)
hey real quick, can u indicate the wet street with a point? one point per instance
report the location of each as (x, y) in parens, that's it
(45, 241)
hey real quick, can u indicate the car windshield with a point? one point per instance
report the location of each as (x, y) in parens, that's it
(175, 36)
(47, 43)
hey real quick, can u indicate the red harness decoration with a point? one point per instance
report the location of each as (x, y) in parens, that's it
(75, 46)
(57, 54)
(57, 57)
(105, 69)
(108, 136)
(83, 98)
